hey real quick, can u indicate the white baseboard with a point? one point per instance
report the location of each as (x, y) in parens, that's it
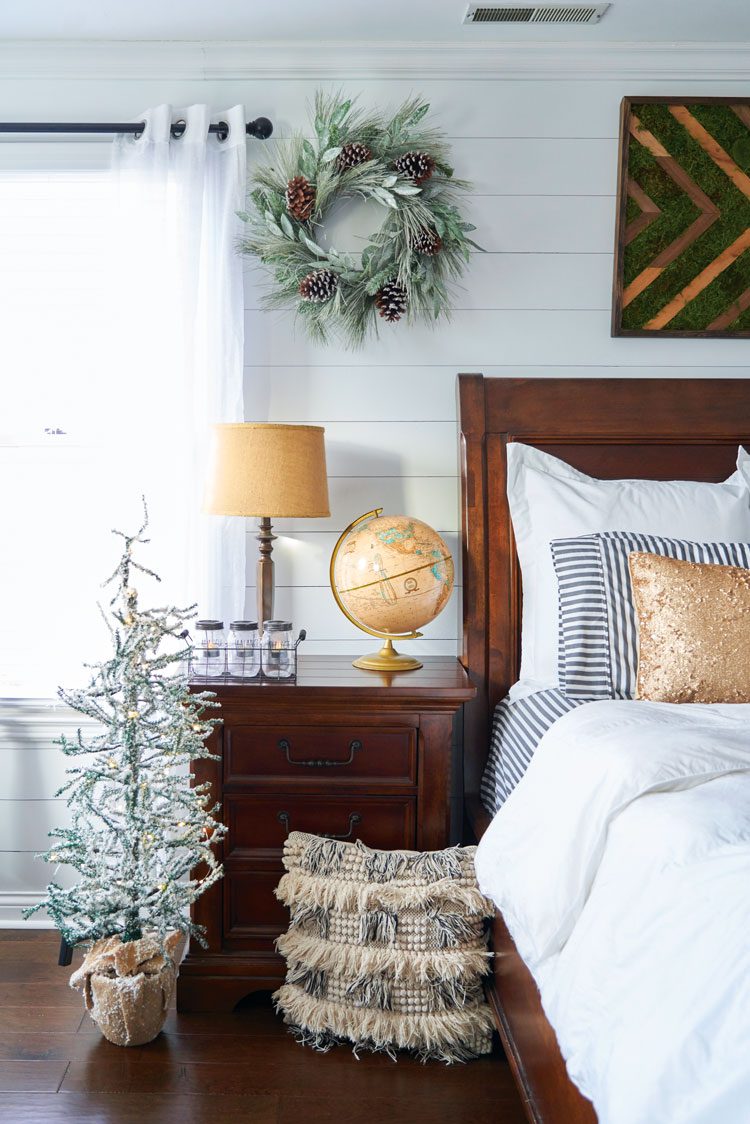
(11, 912)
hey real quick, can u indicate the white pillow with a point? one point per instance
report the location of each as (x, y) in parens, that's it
(550, 499)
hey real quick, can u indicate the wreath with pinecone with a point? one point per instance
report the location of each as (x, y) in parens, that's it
(405, 269)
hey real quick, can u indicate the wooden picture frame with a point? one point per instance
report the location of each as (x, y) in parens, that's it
(682, 241)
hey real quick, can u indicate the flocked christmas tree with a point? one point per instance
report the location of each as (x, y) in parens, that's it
(138, 828)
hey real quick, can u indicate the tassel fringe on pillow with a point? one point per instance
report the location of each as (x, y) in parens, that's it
(386, 949)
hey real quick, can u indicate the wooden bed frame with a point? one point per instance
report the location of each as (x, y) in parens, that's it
(668, 429)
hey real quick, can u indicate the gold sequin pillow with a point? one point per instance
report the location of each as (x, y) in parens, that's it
(694, 630)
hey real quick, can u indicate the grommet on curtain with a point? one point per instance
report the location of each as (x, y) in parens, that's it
(179, 128)
(222, 131)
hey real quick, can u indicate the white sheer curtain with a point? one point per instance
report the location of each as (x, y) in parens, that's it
(121, 337)
(178, 198)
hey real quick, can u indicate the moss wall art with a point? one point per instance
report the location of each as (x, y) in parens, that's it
(682, 257)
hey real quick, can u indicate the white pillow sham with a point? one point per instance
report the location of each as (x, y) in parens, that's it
(550, 499)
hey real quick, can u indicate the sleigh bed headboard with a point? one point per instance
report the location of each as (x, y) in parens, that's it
(669, 429)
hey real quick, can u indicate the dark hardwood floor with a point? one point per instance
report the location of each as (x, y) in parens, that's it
(242, 1068)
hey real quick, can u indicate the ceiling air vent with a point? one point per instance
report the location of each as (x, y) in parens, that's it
(537, 13)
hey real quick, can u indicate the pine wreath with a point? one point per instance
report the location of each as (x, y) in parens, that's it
(406, 267)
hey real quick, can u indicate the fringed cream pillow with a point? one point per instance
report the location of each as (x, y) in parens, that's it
(386, 949)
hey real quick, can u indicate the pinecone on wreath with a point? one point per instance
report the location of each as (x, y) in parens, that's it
(427, 242)
(318, 286)
(300, 198)
(352, 155)
(416, 166)
(391, 301)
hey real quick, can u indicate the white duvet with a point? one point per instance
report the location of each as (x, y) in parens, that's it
(621, 863)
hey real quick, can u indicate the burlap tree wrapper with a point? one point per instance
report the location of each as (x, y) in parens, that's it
(386, 949)
(128, 987)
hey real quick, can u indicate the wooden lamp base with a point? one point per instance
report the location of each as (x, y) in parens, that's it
(264, 581)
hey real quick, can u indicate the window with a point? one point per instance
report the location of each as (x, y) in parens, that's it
(76, 410)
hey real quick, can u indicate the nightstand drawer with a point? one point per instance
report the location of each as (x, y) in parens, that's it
(261, 823)
(252, 912)
(315, 754)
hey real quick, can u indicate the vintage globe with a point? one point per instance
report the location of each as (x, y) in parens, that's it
(391, 575)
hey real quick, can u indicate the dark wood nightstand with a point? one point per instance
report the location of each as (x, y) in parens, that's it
(342, 752)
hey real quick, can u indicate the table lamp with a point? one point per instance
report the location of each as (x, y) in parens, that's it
(268, 471)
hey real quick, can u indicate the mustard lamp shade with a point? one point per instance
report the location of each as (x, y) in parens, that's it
(273, 472)
(269, 471)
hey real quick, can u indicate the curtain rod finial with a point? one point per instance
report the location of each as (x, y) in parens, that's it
(261, 128)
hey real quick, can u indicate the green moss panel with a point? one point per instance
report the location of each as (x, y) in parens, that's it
(742, 323)
(678, 212)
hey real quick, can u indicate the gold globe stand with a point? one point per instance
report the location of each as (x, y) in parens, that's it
(387, 659)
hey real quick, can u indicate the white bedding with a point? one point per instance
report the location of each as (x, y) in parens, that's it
(621, 863)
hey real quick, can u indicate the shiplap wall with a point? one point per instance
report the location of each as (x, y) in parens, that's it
(542, 158)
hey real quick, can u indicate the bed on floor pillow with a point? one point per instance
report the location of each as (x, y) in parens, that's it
(385, 949)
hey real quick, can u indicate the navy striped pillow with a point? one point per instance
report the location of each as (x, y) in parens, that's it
(598, 629)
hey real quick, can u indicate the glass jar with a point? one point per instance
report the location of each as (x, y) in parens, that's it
(209, 652)
(244, 653)
(277, 650)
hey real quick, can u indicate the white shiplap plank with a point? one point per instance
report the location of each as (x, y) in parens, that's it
(24, 824)
(480, 108)
(544, 223)
(529, 224)
(315, 610)
(399, 448)
(515, 109)
(323, 393)
(433, 499)
(522, 108)
(327, 393)
(509, 281)
(303, 558)
(521, 165)
(21, 872)
(31, 773)
(474, 340)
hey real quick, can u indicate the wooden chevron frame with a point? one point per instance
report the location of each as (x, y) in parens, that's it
(682, 246)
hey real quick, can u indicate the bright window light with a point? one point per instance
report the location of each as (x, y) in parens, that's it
(81, 410)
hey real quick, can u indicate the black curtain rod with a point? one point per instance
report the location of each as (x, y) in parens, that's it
(261, 128)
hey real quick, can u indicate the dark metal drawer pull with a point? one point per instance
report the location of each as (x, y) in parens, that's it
(319, 762)
(354, 819)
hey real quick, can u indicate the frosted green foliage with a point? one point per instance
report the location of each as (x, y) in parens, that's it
(138, 828)
(291, 249)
